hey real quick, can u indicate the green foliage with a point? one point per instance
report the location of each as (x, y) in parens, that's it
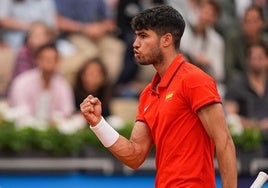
(50, 141)
(249, 139)
(53, 142)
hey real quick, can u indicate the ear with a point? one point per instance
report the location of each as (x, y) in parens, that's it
(167, 40)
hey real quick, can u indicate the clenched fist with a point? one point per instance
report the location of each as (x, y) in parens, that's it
(91, 110)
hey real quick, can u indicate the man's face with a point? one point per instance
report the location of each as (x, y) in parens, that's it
(258, 60)
(208, 16)
(252, 23)
(147, 48)
(48, 60)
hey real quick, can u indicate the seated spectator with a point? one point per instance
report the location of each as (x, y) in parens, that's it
(252, 30)
(246, 99)
(233, 12)
(86, 26)
(16, 17)
(41, 93)
(92, 79)
(38, 35)
(203, 44)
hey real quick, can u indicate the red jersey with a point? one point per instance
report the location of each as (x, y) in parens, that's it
(169, 106)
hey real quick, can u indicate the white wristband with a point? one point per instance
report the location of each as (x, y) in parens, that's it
(106, 134)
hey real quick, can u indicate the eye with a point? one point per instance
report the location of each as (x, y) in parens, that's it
(142, 36)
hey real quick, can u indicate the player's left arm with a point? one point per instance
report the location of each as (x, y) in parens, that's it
(213, 120)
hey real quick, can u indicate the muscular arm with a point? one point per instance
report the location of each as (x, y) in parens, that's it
(131, 152)
(213, 120)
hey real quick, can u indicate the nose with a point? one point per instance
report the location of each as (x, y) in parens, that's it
(136, 43)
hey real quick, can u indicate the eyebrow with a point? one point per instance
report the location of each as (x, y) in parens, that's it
(140, 33)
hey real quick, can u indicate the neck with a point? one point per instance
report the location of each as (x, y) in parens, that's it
(257, 81)
(257, 75)
(199, 29)
(253, 38)
(162, 67)
(46, 79)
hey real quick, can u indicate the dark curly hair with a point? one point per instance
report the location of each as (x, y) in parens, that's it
(161, 19)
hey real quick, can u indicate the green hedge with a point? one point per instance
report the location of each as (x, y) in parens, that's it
(50, 141)
(249, 139)
(53, 142)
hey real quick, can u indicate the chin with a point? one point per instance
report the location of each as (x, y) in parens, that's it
(141, 62)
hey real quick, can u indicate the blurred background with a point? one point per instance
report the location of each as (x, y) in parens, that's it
(53, 53)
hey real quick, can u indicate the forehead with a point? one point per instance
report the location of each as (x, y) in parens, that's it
(257, 49)
(46, 52)
(93, 65)
(252, 13)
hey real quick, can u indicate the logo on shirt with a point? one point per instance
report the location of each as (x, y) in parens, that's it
(169, 96)
(146, 107)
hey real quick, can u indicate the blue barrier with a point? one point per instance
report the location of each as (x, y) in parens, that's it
(79, 180)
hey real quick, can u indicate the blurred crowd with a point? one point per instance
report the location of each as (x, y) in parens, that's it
(53, 53)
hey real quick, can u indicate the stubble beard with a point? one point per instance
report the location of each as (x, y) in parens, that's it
(155, 56)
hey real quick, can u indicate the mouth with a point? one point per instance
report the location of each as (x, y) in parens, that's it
(136, 52)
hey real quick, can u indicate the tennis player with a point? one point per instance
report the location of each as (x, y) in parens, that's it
(180, 112)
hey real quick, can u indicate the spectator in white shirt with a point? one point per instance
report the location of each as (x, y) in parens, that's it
(203, 45)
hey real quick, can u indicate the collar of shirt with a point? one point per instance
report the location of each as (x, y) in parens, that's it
(170, 73)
